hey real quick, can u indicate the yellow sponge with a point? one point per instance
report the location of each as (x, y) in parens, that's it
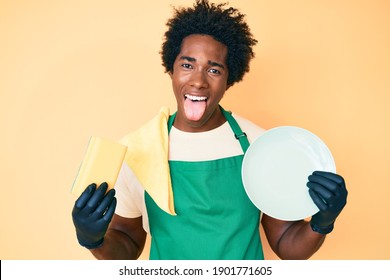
(102, 163)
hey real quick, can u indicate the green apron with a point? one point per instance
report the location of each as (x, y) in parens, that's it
(215, 218)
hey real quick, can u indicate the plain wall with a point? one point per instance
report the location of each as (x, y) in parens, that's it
(73, 69)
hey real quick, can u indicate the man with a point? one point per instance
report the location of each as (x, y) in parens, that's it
(207, 49)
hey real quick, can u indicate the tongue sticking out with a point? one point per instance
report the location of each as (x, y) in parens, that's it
(194, 110)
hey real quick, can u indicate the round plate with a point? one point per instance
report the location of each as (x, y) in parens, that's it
(276, 167)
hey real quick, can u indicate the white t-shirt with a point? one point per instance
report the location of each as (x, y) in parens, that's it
(183, 146)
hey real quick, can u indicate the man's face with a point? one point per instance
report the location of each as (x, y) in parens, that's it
(199, 81)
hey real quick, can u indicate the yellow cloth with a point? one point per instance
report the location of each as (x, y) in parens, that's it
(147, 156)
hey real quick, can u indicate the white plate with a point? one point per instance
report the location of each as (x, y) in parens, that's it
(276, 167)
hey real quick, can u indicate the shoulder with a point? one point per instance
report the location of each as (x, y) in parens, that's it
(251, 129)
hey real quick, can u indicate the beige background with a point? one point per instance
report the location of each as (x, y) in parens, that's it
(72, 69)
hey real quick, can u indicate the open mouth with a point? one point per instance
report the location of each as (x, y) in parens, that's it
(194, 106)
(195, 98)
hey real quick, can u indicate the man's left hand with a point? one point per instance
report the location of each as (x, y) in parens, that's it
(329, 193)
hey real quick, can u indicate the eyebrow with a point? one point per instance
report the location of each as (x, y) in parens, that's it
(211, 63)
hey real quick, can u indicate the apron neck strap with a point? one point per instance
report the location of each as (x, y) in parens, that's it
(238, 133)
(170, 122)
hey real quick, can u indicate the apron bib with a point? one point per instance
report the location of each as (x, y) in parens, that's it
(215, 218)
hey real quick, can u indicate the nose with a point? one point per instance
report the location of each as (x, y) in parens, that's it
(199, 80)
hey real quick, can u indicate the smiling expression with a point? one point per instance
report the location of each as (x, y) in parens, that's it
(199, 81)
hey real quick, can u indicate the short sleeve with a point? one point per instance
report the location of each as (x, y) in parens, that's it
(129, 193)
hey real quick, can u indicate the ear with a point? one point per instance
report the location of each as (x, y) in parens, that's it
(170, 73)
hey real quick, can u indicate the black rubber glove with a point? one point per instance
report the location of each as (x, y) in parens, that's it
(92, 213)
(329, 193)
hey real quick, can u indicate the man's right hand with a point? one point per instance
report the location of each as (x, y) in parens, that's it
(92, 213)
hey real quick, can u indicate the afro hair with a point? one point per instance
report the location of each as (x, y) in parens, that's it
(225, 25)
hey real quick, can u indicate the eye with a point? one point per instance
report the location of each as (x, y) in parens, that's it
(186, 65)
(214, 71)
